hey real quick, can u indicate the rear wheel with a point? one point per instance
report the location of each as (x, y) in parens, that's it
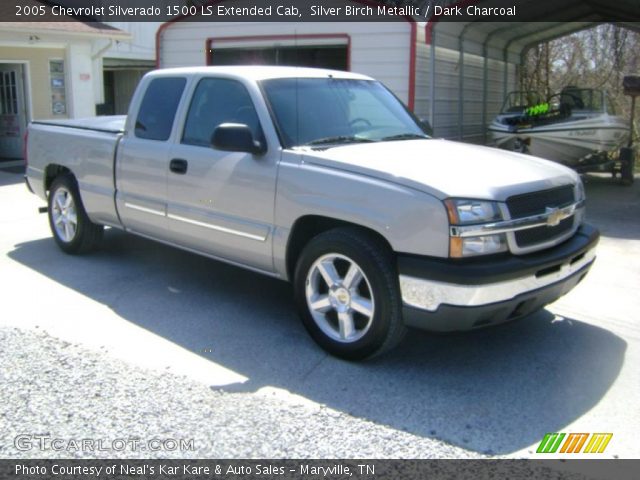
(347, 293)
(70, 225)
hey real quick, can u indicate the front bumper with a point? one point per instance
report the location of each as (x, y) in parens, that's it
(446, 295)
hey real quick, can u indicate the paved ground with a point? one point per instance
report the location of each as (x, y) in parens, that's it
(146, 341)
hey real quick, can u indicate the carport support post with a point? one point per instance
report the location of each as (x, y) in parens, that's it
(505, 80)
(485, 80)
(461, 88)
(432, 84)
(523, 69)
(461, 82)
(633, 110)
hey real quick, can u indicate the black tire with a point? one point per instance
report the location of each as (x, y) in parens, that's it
(85, 235)
(379, 332)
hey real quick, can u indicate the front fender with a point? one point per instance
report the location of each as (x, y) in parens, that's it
(410, 220)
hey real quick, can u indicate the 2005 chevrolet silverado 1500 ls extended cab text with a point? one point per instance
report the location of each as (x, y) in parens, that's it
(325, 179)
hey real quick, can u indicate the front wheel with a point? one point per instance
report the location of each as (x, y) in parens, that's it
(70, 225)
(346, 288)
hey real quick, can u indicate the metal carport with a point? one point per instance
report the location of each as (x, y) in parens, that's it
(503, 44)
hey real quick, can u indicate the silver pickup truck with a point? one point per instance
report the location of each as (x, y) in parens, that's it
(325, 179)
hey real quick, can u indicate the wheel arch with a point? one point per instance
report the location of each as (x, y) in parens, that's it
(53, 171)
(307, 227)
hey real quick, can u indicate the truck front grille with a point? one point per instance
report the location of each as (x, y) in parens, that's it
(533, 236)
(536, 203)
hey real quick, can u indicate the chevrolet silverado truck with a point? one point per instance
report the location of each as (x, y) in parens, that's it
(324, 179)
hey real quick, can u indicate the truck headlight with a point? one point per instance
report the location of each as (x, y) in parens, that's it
(468, 212)
(472, 212)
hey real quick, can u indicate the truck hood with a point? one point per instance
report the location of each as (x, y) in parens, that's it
(446, 169)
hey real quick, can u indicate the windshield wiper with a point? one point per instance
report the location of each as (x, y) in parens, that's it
(405, 136)
(339, 139)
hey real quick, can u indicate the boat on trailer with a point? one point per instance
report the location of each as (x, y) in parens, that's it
(577, 127)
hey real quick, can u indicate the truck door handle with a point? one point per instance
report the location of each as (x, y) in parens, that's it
(178, 165)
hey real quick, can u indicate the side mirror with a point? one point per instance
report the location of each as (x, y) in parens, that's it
(236, 137)
(426, 126)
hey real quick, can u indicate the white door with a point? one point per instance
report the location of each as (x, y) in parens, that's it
(13, 112)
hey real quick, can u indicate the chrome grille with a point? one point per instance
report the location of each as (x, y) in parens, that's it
(536, 203)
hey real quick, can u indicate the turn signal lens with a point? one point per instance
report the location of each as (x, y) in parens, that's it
(460, 247)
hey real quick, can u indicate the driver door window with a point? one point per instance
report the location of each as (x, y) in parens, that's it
(217, 101)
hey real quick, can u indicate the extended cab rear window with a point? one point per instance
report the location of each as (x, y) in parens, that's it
(158, 109)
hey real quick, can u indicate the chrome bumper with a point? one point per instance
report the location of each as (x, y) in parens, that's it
(429, 295)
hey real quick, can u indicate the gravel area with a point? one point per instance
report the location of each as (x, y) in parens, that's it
(63, 391)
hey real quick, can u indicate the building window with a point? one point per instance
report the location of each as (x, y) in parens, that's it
(58, 92)
(335, 57)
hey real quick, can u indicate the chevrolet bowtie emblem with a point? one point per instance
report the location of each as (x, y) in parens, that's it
(554, 216)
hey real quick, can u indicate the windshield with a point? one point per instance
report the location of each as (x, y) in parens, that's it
(582, 99)
(325, 111)
(517, 102)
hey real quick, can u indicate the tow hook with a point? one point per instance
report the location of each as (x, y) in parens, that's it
(43, 209)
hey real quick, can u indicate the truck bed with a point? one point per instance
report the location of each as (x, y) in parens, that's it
(85, 146)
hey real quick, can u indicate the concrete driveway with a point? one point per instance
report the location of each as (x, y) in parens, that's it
(570, 368)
